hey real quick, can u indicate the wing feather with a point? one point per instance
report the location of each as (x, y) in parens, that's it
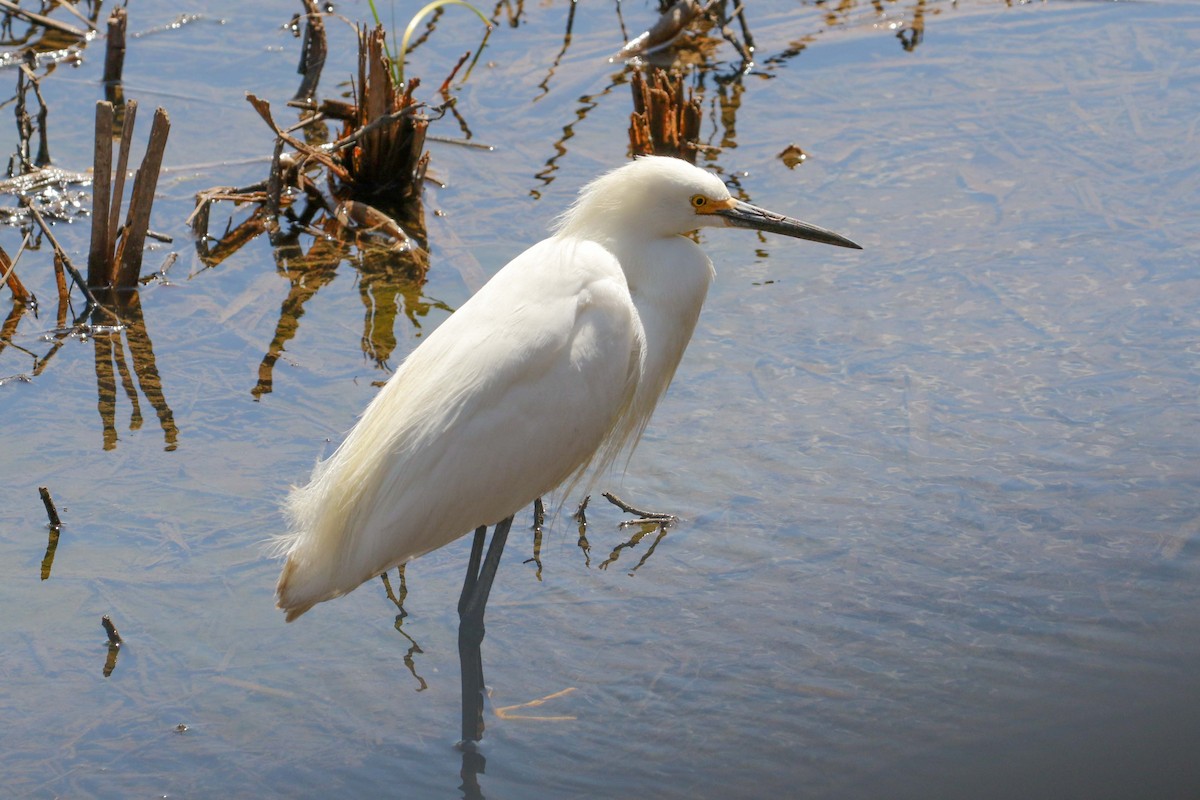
(510, 397)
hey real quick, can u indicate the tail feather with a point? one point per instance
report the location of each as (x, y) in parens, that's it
(320, 533)
(329, 551)
(286, 598)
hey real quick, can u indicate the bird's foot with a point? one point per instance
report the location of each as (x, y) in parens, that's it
(652, 517)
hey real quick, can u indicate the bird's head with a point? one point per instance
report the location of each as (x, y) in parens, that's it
(655, 196)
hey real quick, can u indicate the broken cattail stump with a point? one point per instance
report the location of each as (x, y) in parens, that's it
(100, 252)
(114, 50)
(141, 200)
(118, 191)
(108, 190)
(665, 121)
(112, 262)
(386, 166)
(114, 56)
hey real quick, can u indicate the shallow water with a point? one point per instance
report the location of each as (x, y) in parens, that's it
(939, 498)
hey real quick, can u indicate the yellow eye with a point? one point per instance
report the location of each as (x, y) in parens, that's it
(699, 201)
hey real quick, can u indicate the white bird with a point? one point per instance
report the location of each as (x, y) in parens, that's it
(552, 368)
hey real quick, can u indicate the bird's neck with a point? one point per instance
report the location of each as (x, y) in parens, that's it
(668, 280)
(670, 269)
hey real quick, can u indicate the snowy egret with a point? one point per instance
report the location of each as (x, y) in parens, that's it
(543, 377)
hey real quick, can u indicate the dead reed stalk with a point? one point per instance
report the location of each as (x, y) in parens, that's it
(115, 255)
(55, 529)
(114, 49)
(9, 277)
(9, 7)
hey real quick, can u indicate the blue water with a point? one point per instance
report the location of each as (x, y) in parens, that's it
(939, 529)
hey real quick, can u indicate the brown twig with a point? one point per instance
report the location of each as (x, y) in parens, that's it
(65, 5)
(55, 530)
(264, 110)
(114, 645)
(114, 638)
(275, 181)
(41, 19)
(51, 511)
(161, 273)
(60, 253)
(60, 283)
(8, 276)
(746, 49)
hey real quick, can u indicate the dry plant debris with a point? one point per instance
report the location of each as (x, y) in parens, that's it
(665, 120)
(365, 186)
(677, 18)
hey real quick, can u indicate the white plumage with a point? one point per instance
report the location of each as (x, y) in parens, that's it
(555, 365)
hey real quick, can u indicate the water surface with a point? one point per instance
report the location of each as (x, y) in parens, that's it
(940, 524)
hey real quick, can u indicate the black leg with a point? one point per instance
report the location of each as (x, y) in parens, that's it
(472, 569)
(472, 603)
